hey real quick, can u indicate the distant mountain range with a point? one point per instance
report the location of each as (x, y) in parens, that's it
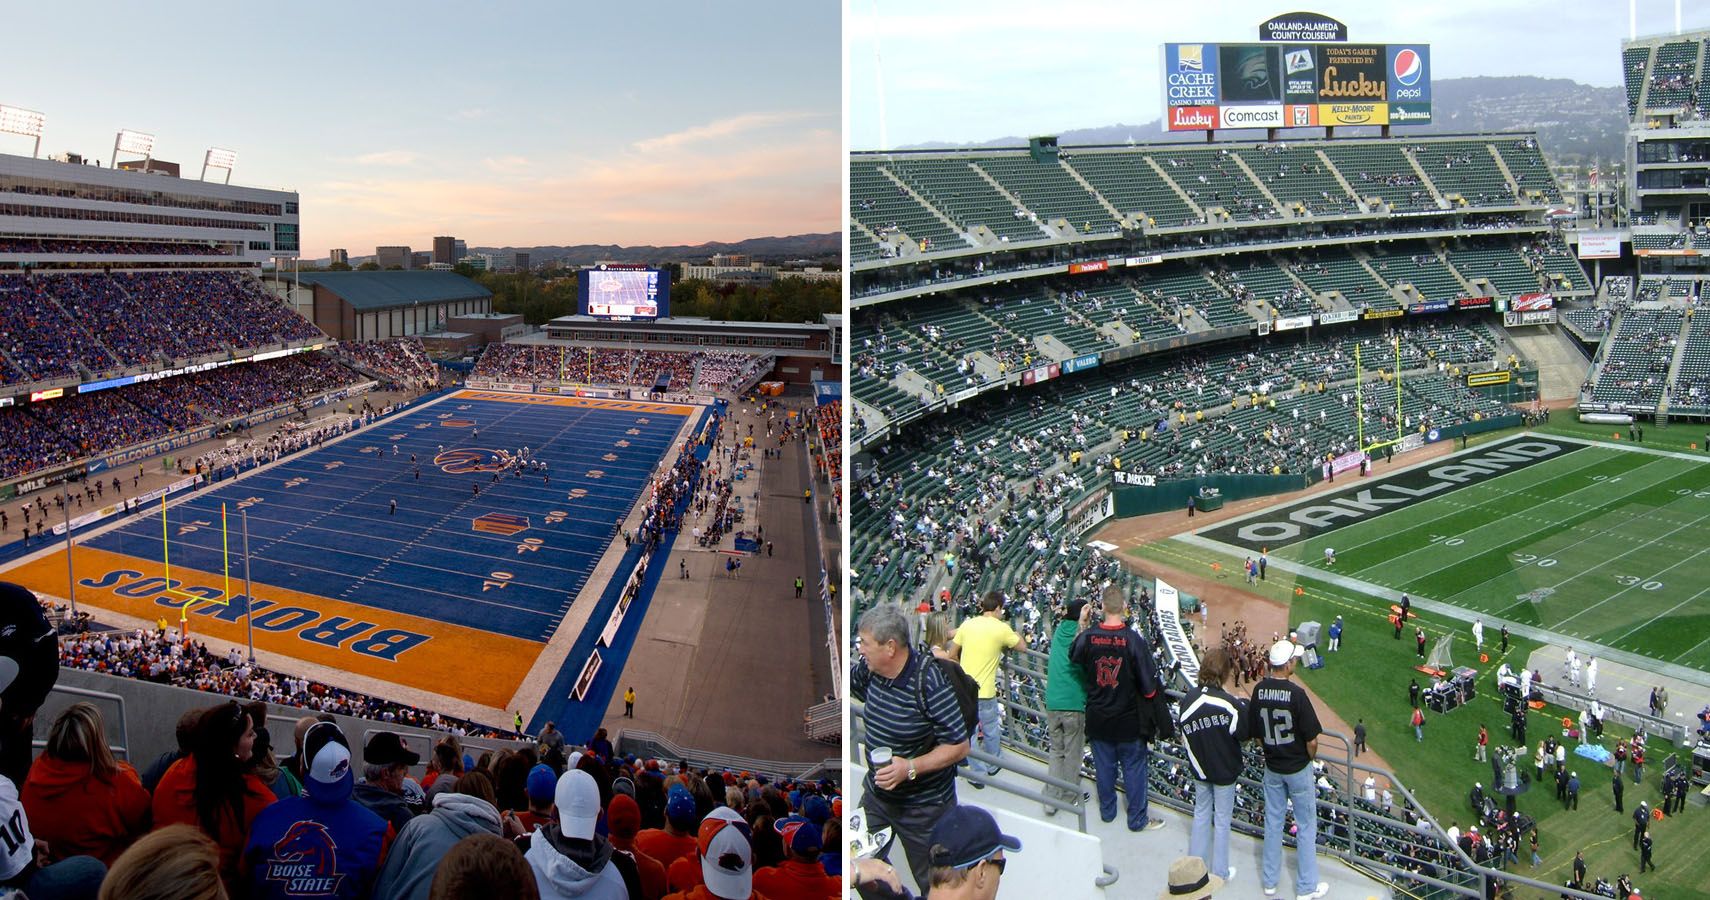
(1575, 123)
(828, 246)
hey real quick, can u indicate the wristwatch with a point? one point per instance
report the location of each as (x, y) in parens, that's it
(911, 771)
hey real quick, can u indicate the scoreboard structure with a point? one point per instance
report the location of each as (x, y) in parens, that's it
(1285, 84)
(624, 293)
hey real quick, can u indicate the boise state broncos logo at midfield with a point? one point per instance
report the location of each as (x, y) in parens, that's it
(472, 459)
(306, 860)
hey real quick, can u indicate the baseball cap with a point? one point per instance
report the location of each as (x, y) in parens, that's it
(623, 816)
(542, 782)
(1190, 880)
(727, 856)
(1281, 653)
(967, 834)
(29, 650)
(816, 810)
(386, 748)
(680, 811)
(804, 837)
(622, 785)
(1073, 613)
(328, 755)
(578, 799)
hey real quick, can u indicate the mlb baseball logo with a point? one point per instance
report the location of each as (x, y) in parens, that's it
(1408, 67)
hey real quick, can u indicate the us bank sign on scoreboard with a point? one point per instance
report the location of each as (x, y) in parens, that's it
(1282, 85)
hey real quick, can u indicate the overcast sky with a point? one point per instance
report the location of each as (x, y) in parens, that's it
(973, 70)
(506, 122)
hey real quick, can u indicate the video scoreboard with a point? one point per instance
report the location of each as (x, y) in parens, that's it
(624, 294)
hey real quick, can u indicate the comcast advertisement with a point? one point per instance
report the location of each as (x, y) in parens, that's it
(1280, 85)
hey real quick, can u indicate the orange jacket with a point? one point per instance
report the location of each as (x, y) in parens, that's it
(793, 879)
(77, 813)
(663, 846)
(175, 804)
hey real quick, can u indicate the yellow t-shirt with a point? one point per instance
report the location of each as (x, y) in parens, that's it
(983, 639)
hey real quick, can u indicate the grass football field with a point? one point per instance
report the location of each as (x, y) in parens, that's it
(1603, 544)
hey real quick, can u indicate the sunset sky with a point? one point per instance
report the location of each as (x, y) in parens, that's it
(501, 123)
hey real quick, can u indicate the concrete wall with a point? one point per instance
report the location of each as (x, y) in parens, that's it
(151, 714)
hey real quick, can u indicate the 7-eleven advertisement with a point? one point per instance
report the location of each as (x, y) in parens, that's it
(1175, 637)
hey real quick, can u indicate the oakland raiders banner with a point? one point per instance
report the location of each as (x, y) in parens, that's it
(1175, 637)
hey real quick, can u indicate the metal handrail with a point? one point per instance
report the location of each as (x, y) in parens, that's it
(1077, 806)
(1353, 814)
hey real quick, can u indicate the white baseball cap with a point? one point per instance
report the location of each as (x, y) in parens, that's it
(578, 799)
(1281, 653)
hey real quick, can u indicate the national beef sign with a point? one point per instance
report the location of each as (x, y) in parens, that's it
(1292, 85)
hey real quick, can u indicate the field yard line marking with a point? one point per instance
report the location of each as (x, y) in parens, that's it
(1531, 632)
(1464, 534)
(1630, 448)
(431, 530)
(1633, 550)
(1630, 587)
(1523, 565)
(1497, 493)
(1692, 649)
(1664, 614)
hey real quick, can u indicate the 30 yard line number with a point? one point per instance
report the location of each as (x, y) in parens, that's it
(1634, 581)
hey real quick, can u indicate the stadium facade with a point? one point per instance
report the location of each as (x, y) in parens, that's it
(59, 214)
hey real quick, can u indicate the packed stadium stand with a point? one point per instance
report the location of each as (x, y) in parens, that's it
(706, 370)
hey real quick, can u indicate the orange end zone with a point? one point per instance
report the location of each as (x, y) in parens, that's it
(424, 654)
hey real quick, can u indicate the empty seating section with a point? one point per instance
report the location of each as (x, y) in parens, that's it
(1173, 289)
(1295, 175)
(1465, 168)
(954, 187)
(1061, 316)
(1635, 61)
(861, 247)
(1701, 99)
(41, 340)
(1553, 257)
(1269, 286)
(1637, 358)
(1660, 241)
(1416, 265)
(1049, 191)
(1127, 182)
(1213, 179)
(1674, 76)
(1590, 323)
(880, 204)
(1691, 389)
(1381, 170)
(1340, 272)
(1526, 163)
(1121, 303)
(1499, 263)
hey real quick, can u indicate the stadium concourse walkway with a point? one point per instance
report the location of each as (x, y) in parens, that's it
(1621, 685)
(730, 664)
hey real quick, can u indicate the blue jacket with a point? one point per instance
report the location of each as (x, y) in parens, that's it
(322, 844)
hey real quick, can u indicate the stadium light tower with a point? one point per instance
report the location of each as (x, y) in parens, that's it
(136, 142)
(219, 159)
(27, 122)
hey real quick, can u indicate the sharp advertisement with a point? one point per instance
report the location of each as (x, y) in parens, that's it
(1221, 86)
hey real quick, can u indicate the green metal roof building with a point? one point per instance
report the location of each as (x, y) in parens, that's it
(375, 306)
